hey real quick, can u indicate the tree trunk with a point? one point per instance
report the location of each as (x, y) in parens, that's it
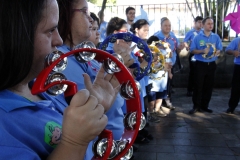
(102, 11)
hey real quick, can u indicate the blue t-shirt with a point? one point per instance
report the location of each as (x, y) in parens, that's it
(172, 40)
(234, 45)
(74, 73)
(29, 130)
(191, 34)
(199, 43)
(102, 30)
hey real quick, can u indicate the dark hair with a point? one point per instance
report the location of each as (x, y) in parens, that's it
(151, 39)
(65, 19)
(163, 20)
(205, 19)
(138, 24)
(198, 18)
(128, 9)
(115, 23)
(19, 20)
(95, 18)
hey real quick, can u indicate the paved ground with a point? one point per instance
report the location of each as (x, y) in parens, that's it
(202, 136)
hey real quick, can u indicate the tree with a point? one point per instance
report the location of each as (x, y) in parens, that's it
(217, 9)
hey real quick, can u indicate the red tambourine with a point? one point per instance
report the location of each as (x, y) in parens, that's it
(54, 82)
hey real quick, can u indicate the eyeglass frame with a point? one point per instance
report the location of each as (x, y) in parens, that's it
(83, 10)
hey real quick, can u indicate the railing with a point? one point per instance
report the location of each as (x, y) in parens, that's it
(179, 14)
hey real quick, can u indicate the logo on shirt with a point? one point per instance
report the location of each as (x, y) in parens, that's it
(201, 43)
(53, 132)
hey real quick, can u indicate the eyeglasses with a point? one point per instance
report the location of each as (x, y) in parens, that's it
(83, 10)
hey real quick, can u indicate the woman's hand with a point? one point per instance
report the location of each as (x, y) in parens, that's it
(83, 120)
(123, 48)
(104, 88)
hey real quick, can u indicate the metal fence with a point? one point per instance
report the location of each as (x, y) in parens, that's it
(179, 14)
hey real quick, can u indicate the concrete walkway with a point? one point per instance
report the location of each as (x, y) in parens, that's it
(202, 136)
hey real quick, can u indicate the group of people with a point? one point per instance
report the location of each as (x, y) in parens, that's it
(204, 47)
(50, 127)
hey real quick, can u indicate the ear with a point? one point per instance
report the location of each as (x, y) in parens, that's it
(136, 30)
(115, 32)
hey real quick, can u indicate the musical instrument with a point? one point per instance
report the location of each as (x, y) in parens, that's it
(54, 82)
(207, 56)
(157, 65)
(166, 47)
(139, 72)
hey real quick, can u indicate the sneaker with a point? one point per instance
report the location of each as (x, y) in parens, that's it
(171, 107)
(160, 113)
(153, 118)
(229, 111)
(207, 110)
(169, 104)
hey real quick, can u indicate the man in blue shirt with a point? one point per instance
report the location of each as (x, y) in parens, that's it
(187, 41)
(233, 49)
(206, 47)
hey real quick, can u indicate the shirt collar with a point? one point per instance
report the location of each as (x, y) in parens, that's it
(202, 33)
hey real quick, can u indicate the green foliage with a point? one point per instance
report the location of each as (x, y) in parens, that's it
(213, 8)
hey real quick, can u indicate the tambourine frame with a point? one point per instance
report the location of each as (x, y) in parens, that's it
(133, 105)
(214, 51)
(141, 44)
(153, 48)
(166, 46)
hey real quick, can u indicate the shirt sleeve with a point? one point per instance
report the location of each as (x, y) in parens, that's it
(187, 37)
(233, 45)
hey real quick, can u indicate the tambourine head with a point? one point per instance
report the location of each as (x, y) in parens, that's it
(99, 148)
(50, 58)
(130, 121)
(85, 56)
(126, 91)
(59, 88)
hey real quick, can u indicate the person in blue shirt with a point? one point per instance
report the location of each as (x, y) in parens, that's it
(234, 49)
(166, 35)
(103, 27)
(206, 47)
(187, 40)
(41, 126)
(75, 28)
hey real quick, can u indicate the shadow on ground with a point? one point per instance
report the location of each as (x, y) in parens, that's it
(203, 136)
